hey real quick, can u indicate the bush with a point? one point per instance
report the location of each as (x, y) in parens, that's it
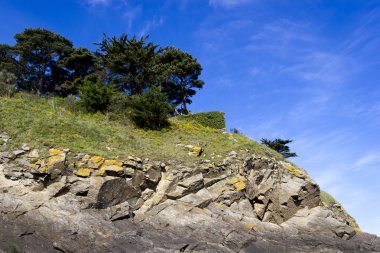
(234, 131)
(94, 95)
(7, 84)
(209, 119)
(150, 110)
(119, 103)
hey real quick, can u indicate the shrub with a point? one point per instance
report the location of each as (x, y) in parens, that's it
(234, 131)
(94, 95)
(119, 103)
(209, 119)
(150, 110)
(7, 83)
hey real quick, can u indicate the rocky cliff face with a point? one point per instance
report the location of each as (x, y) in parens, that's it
(66, 203)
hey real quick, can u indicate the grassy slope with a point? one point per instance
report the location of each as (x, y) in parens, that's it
(327, 198)
(40, 122)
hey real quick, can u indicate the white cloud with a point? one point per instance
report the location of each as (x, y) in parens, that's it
(228, 3)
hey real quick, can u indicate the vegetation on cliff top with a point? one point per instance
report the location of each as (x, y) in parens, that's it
(45, 122)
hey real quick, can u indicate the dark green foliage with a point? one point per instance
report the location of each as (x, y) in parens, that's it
(234, 131)
(94, 95)
(80, 63)
(209, 119)
(150, 110)
(280, 146)
(179, 78)
(7, 59)
(129, 62)
(7, 83)
(45, 63)
(38, 51)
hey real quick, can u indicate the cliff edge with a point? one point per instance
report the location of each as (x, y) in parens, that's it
(245, 203)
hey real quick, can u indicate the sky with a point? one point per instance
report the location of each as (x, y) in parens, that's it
(305, 70)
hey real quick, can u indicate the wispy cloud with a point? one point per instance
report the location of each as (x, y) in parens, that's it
(228, 3)
(368, 160)
(151, 25)
(131, 14)
(97, 2)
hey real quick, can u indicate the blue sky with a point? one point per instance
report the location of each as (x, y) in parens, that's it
(301, 70)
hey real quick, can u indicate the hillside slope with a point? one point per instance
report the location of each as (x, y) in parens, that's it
(74, 182)
(41, 123)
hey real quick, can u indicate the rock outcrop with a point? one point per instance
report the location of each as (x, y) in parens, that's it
(88, 203)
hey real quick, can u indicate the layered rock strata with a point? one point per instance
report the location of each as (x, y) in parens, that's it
(91, 204)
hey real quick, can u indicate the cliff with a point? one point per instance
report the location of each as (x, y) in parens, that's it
(239, 198)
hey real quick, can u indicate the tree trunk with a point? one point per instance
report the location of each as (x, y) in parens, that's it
(41, 77)
(183, 87)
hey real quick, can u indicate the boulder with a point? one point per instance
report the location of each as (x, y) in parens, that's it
(192, 183)
(322, 221)
(152, 175)
(276, 193)
(116, 191)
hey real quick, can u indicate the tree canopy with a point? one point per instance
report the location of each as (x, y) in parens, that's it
(180, 73)
(134, 72)
(280, 146)
(130, 63)
(38, 51)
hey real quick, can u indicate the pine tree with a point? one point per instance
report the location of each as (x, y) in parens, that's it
(280, 146)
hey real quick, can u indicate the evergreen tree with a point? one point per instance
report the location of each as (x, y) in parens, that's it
(95, 95)
(38, 51)
(80, 63)
(280, 146)
(180, 76)
(130, 63)
(151, 109)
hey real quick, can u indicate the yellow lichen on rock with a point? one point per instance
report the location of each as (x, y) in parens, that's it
(196, 151)
(113, 162)
(95, 162)
(84, 172)
(234, 180)
(297, 172)
(101, 172)
(37, 165)
(240, 186)
(53, 160)
(54, 151)
(249, 226)
(79, 164)
(85, 158)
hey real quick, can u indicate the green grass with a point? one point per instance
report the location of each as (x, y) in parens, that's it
(44, 122)
(327, 198)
